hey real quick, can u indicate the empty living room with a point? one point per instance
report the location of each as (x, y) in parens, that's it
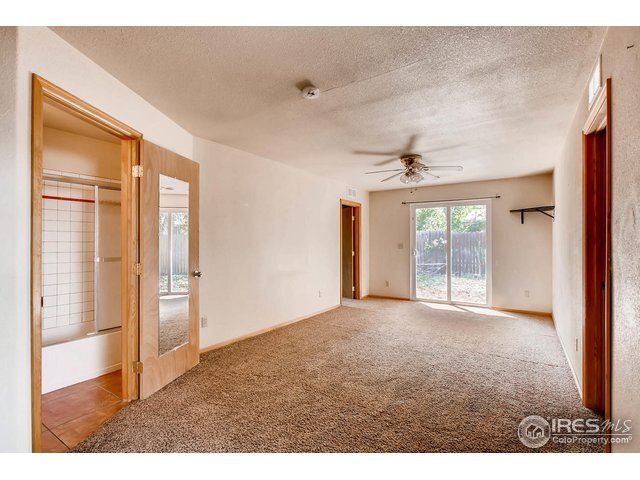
(311, 229)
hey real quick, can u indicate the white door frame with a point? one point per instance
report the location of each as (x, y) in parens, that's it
(412, 256)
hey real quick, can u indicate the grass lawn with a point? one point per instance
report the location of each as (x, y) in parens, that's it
(463, 289)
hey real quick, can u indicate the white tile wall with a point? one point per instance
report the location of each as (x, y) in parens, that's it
(67, 255)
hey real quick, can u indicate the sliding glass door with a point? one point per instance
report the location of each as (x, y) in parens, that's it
(450, 261)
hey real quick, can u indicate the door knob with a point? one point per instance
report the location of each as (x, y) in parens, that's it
(197, 273)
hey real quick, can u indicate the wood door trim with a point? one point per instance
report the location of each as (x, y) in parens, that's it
(600, 117)
(357, 245)
(44, 91)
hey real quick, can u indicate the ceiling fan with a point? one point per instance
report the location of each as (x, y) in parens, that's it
(413, 169)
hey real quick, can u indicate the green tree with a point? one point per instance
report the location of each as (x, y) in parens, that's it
(464, 218)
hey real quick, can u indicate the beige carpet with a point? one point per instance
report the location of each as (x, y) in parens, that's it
(174, 322)
(373, 376)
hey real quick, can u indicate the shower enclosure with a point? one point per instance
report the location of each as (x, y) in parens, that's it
(81, 280)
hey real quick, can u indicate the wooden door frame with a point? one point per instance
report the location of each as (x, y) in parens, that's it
(599, 118)
(356, 245)
(43, 92)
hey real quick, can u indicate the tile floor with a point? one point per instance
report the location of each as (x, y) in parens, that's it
(71, 414)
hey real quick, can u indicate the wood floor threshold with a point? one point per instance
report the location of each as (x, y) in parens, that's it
(216, 346)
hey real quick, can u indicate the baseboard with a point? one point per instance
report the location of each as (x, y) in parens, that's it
(573, 372)
(385, 297)
(524, 312)
(216, 346)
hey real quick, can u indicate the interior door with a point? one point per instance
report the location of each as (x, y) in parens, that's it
(347, 252)
(169, 343)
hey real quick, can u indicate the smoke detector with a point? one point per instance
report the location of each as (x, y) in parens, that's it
(310, 92)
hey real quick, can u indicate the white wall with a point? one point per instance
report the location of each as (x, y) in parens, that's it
(620, 62)
(269, 242)
(24, 51)
(521, 254)
(15, 386)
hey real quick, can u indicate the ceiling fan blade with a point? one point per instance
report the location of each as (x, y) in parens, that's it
(392, 176)
(445, 168)
(431, 174)
(384, 162)
(440, 149)
(366, 152)
(411, 145)
(383, 171)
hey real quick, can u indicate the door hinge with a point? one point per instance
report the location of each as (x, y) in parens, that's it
(353, 289)
(138, 269)
(137, 171)
(137, 367)
(353, 254)
(353, 218)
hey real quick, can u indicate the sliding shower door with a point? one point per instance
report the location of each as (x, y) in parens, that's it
(450, 254)
(108, 261)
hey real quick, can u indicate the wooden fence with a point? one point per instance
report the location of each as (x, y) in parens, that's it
(469, 253)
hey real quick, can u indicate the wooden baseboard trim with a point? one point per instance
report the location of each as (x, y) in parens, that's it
(216, 346)
(523, 312)
(385, 297)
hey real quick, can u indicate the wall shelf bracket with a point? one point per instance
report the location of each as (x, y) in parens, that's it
(543, 210)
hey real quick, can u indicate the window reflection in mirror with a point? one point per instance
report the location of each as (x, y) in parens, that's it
(173, 264)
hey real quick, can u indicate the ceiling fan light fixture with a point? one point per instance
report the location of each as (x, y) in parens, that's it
(404, 178)
(416, 177)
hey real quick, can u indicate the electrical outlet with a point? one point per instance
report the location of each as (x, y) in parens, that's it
(400, 246)
(527, 294)
(204, 322)
(319, 293)
(386, 283)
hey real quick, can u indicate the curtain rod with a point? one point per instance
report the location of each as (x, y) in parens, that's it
(452, 200)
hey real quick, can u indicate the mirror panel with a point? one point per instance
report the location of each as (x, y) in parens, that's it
(173, 258)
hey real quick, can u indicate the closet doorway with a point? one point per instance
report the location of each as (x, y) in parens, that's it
(84, 243)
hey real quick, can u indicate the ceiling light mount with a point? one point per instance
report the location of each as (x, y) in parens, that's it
(310, 92)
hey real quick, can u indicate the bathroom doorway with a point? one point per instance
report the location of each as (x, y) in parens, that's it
(83, 273)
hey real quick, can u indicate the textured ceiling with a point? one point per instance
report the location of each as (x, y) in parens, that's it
(501, 97)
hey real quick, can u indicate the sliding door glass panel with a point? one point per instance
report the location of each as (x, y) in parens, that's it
(108, 266)
(431, 253)
(469, 253)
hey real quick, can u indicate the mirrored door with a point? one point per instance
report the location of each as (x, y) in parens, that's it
(450, 252)
(169, 343)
